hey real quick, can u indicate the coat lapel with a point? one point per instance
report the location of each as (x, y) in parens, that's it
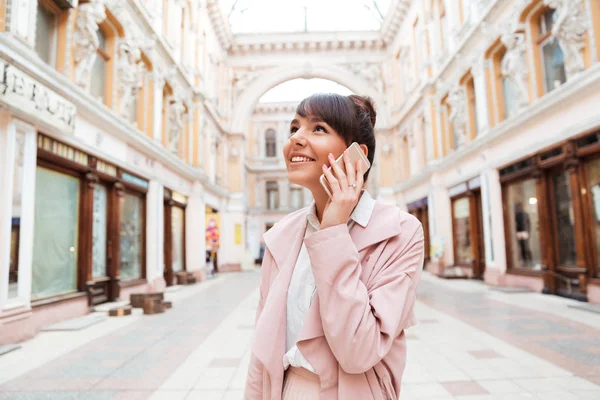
(378, 230)
(284, 241)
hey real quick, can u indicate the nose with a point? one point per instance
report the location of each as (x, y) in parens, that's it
(298, 138)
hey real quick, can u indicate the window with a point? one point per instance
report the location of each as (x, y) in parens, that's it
(272, 195)
(177, 236)
(553, 62)
(271, 143)
(523, 231)
(296, 198)
(100, 67)
(99, 232)
(55, 238)
(472, 105)
(593, 184)
(444, 30)
(132, 236)
(462, 233)
(45, 33)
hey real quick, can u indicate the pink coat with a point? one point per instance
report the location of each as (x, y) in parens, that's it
(354, 332)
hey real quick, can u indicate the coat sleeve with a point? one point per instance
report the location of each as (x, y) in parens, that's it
(360, 323)
(254, 380)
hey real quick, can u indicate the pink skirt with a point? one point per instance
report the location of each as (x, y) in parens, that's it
(300, 384)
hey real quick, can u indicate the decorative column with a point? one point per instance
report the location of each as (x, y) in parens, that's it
(155, 235)
(440, 217)
(157, 125)
(18, 145)
(195, 216)
(493, 226)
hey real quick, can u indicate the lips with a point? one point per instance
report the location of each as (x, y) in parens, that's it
(301, 159)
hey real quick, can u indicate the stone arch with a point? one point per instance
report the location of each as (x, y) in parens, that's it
(273, 77)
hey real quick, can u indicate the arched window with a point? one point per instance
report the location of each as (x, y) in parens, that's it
(553, 62)
(270, 143)
(46, 31)
(99, 75)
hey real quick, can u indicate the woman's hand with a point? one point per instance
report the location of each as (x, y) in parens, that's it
(346, 189)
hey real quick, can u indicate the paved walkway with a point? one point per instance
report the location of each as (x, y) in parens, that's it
(471, 343)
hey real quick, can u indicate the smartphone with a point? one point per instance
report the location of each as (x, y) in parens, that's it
(355, 153)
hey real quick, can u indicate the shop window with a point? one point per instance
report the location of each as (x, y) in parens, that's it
(17, 196)
(177, 236)
(99, 231)
(462, 233)
(553, 62)
(296, 198)
(46, 31)
(272, 195)
(132, 236)
(523, 231)
(99, 74)
(564, 218)
(593, 184)
(55, 239)
(271, 143)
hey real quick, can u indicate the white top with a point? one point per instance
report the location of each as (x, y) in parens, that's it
(302, 286)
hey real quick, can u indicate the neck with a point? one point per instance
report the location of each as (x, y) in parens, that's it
(321, 198)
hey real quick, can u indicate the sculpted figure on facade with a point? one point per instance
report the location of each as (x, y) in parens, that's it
(514, 65)
(569, 29)
(175, 124)
(86, 42)
(371, 72)
(130, 72)
(457, 100)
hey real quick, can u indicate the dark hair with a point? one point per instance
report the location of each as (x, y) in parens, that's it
(353, 117)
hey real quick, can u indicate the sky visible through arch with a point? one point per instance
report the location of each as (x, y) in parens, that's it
(296, 90)
(270, 16)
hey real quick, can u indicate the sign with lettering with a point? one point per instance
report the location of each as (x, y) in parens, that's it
(22, 93)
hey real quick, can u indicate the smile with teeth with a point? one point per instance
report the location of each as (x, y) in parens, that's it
(297, 159)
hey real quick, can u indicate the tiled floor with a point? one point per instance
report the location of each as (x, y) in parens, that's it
(471, 343)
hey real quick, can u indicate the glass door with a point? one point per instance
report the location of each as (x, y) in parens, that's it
(566, 272)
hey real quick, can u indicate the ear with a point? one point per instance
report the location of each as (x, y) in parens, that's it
(365, 149)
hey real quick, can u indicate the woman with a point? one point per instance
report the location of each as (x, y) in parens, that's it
(338, 277)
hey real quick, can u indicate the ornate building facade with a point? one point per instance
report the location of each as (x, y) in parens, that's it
(126, 124)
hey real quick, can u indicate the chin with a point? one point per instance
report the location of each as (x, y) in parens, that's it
(302, 179)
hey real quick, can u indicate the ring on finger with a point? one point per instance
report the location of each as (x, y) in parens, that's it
(353, 185)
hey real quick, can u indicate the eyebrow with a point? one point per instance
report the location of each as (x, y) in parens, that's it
(312, 120)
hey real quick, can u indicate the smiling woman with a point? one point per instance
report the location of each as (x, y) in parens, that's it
(256, 16)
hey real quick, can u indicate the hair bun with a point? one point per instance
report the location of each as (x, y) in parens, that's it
(366, 104)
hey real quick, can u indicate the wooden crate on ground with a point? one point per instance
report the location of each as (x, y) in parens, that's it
(137, 299)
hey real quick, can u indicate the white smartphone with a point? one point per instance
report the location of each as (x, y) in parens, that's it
(355, 153)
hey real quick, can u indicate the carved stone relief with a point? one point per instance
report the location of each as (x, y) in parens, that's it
(130, 72)
(569, 29)
(514, 65)
(85, 39)
(371, 72)
(175, 124)
(457, 100)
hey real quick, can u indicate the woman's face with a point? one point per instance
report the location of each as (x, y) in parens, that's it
(311, 141)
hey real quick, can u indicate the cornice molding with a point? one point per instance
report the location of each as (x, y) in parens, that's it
(220, 23)
(273, 108)
(394, 19)
(308, 42)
